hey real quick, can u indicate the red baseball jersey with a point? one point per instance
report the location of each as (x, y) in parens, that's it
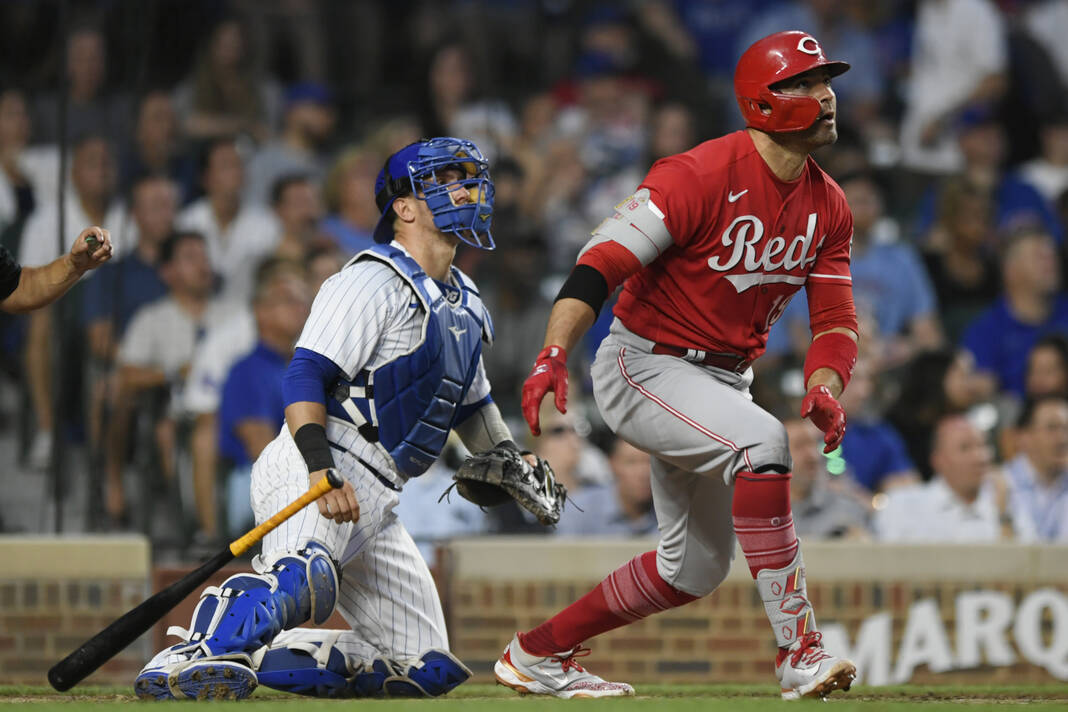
(743, 243)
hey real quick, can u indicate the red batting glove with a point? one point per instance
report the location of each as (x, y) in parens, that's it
(827, 414)
(549, 374)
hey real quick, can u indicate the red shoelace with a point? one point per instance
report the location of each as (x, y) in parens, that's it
(810, 651)
(568, 662)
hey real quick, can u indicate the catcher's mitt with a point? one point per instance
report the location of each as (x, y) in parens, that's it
(494, 476)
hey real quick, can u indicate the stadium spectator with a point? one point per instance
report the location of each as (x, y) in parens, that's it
(1047, 22)
(307, 125)
(238, 235)
(296, 204)
(1047, 367)
(872, 447)
(1015, 202)
(90, 202)
(1031, 306)
(824, 507)
(964, 502)
(959, 256)
(91, 107)
(623, 507)
(320, 263)
(156, 149)
(350, 200)
(224, 96)
(154, 356)
(27, 173)
(1048, 172)
(1039, 474)
(115, 293)
(251, 409)
(959, 58)
(454, 104)
(933, 385)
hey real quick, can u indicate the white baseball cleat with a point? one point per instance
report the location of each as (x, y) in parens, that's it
(805, 669)
(557, 675)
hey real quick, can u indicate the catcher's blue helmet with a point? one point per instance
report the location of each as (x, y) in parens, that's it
(414, 170)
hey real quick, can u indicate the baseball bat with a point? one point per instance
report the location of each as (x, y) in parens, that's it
(96, 651)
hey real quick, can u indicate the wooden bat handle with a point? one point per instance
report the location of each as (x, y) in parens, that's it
(242, 544)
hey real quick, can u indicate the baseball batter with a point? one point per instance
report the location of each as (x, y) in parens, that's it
(388, 362)
(709, 251)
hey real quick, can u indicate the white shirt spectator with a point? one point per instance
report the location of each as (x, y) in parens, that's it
(1048, 179)
(39, 237)
(40, 166)
(161, 335)
(957, 44)
(234, 252)
(1045, 508)
(222, 346)
(933, 513)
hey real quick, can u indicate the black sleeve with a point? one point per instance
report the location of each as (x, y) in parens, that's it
(10, 271)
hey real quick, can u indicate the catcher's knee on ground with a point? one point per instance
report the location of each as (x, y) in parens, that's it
(248, 610)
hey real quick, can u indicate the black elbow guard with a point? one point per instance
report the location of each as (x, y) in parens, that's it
(585, 284)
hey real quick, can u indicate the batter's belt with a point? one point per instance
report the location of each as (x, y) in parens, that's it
(726, 361)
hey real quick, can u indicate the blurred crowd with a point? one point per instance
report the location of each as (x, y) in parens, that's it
(231, 149)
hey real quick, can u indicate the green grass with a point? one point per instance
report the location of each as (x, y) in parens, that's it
(665, 698)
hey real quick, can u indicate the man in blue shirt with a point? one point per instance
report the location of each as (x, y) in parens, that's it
(252, 408)
(119, 289)
(1031, 306)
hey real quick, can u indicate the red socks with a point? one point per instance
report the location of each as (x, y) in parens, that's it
(630, 593)
(762, 520)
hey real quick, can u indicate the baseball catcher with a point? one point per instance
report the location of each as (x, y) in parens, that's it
(492, 477)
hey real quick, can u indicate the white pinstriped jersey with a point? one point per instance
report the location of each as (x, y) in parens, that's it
(365, 316)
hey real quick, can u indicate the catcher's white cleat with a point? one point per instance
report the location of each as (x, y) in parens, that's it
(805, 669)
(557, 675)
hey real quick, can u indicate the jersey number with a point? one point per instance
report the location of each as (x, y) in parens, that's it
(777, 308)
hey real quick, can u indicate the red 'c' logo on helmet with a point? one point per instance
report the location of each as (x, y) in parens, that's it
(809, 45)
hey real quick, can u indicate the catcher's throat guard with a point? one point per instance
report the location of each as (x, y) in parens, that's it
(493, 477)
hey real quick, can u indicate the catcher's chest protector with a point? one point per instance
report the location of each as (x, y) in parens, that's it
(409, 404)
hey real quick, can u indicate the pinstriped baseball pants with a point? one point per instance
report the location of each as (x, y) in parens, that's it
(386, 592)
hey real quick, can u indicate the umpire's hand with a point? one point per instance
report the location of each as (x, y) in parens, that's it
(339, 504)
(92, 249)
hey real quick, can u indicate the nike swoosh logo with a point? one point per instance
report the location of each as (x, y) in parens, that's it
(457, 331)
(732, 197)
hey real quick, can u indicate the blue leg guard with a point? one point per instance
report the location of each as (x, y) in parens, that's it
(249, 610)
(313, 668)
(439, 673)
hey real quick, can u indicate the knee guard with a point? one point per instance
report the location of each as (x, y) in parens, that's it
(248, 610)
(439, 672)
(316, 668)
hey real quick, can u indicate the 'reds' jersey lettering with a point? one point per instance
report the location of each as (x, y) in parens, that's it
(743, 243)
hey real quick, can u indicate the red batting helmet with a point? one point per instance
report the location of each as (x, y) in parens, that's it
(771, 60)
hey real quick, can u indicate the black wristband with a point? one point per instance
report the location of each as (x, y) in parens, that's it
(311, 441)
(587, 285)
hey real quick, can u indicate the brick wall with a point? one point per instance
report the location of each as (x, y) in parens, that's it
(497, 587)
(57, 592)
